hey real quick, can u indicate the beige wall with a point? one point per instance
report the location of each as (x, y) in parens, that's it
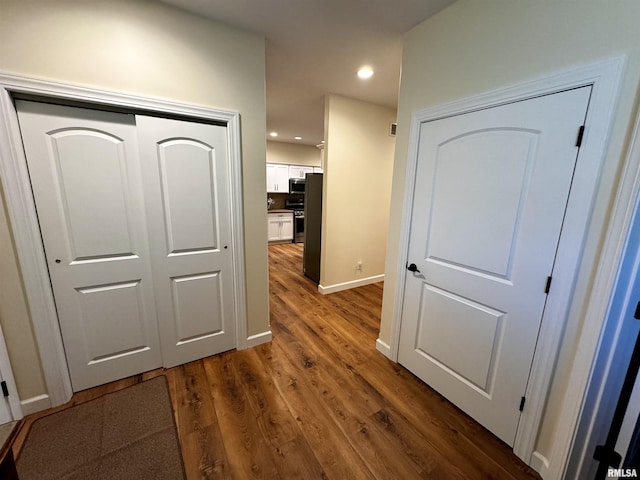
(357, 188)
(293, 154)
(473, 47)
(15, 320)
(149, 49)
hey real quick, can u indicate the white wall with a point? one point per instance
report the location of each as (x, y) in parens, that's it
(293, 154)
(150, 49)
(356, 190)
(473, 47)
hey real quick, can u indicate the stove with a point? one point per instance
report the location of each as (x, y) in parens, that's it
(297, 205)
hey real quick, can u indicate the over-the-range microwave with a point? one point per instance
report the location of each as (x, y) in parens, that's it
(296, 185)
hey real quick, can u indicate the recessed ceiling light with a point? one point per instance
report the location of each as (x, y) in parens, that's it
(297, 138)
(365, 72)
(273, 134)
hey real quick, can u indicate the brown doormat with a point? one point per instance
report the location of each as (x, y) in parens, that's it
(129, 434)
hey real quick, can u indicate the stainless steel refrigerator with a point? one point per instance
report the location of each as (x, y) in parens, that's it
(312, 226)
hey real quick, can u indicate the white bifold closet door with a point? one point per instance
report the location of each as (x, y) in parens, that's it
(186, 185)
(134, 219)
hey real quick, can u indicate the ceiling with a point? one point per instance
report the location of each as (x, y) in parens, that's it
(315, 47)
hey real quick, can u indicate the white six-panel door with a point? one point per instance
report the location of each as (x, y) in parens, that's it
(86, 183)
(490, 195)
(186, 185)
(135, 219)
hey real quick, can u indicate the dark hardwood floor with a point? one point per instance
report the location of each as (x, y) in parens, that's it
(319, 401)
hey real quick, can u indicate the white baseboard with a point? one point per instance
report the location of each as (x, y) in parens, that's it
(540, 464)
(383, 348)
(259, 339)
(347, 285)
(35, 404)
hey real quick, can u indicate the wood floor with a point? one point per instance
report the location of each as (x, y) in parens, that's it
(319, 402)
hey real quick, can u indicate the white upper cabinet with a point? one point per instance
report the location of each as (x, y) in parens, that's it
(297, 171)
(277, 178)
(278, 175)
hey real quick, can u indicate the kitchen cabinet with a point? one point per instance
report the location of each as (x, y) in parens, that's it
(280, 227)
(298, 171)
(277, 178)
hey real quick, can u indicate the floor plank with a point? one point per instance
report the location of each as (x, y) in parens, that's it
(318, 402)
(197, 423)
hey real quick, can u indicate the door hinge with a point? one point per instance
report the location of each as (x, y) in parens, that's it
(580, 135)
(548, 286)
(607, 455)
(522, 400)
(5, 390)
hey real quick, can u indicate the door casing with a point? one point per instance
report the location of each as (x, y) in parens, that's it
(604, 78)
(24, 222)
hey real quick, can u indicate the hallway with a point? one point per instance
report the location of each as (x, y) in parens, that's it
(319, 401)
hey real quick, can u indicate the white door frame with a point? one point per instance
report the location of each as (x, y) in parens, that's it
(604, 78)
(24, 223)
(598, 318)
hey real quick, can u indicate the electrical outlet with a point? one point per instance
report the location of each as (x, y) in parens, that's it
(359, 266)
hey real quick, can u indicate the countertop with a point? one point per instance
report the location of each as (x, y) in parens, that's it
(280, 210)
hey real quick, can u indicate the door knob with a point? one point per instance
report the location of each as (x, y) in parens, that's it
(58, 260)
(413, 268)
